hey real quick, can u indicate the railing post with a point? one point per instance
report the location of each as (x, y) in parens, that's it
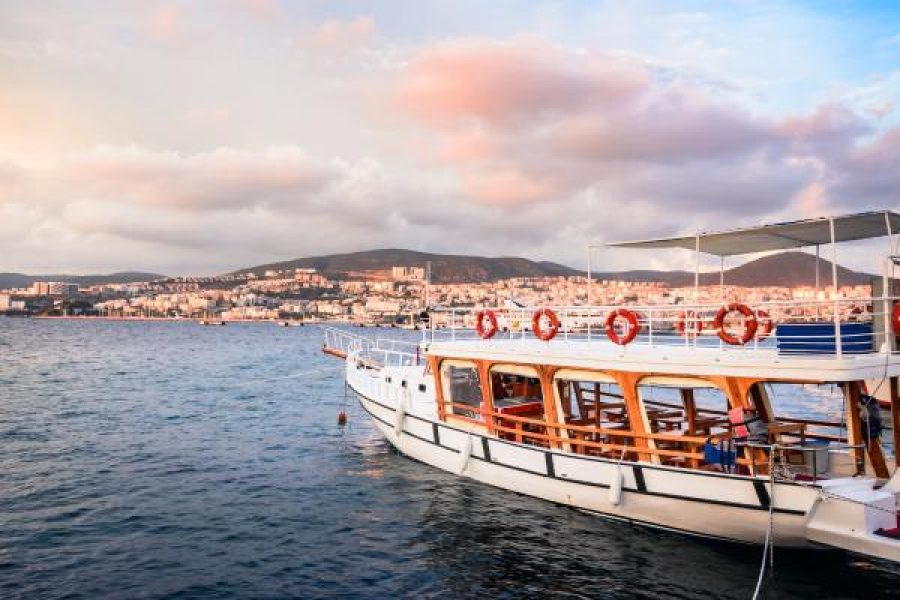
(649, 326)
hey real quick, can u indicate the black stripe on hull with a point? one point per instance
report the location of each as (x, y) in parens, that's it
(636, 490)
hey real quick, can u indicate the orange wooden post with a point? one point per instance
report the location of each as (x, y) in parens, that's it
(434, 363)
(873, 446)
(487, 396)
(854, 425)
(637, 419)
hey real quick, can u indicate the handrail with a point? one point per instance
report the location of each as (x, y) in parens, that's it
(548, 437)
(657, 324)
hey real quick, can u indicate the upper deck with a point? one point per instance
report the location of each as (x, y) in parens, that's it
(835, 339)
(816, 341)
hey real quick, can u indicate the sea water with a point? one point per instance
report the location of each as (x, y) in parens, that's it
(170, 460)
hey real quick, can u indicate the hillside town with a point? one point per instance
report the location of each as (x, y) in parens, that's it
(395, 296)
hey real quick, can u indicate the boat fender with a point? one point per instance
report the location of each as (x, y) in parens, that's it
(465, 453)
(615, 487)
(399, 416)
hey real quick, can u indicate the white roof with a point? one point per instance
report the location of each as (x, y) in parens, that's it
(781, 236)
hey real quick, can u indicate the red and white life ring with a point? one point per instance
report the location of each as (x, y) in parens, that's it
(631, 329)
(750, 324)
(488, 332)
(538, 330)
(766, 324)
(689, 324)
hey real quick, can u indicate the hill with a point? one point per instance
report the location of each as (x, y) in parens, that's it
(445, 268)
(788, 269)
(785, 269)
(20, 280)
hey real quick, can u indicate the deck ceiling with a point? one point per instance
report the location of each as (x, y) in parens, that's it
(780, 236)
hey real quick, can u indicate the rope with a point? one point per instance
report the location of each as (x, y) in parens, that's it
(768, 547)
(291, 376)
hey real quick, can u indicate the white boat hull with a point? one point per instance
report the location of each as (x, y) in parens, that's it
(728, 507)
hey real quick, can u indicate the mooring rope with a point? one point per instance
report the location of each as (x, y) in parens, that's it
(280, 378)
(768, 547)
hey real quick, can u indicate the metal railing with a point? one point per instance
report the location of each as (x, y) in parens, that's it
(830, 327)
(375, 353)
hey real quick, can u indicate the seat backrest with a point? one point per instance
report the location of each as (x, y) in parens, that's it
(736, 418)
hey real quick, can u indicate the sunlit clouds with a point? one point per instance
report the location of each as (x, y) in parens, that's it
(183, 137)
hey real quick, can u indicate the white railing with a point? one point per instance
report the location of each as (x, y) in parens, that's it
(340, 340)
(832, 327)
(380, 352)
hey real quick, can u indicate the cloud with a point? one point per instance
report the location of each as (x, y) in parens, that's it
(526, 78)
(166, 24)
(224, 178)
(526, 123)
(344, 35)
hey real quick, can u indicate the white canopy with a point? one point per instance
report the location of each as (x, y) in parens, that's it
(781, 236)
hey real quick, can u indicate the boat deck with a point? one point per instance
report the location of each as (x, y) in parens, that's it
(675, 359)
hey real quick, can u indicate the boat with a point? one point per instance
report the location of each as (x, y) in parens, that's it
(665, 415)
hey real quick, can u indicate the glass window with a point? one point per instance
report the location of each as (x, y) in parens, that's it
(462, 385)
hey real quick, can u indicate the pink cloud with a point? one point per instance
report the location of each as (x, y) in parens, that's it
(224, 178)
(344, 35)
(672, 126)
(261, 8)
(828, 123)
(507, 186)
(166, 24)
(467, 146)
(525, 78)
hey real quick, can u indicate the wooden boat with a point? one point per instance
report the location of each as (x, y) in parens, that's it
(652, 415)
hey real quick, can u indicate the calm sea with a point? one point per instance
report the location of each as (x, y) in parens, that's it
(151, 460)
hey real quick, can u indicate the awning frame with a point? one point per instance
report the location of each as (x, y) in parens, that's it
(866, 223)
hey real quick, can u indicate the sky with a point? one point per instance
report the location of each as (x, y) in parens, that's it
(198, 137)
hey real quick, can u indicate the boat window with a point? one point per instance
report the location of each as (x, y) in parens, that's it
(518, 401)
(594, 406)
(804, 411)
(462, 386)
(591, 402)
(688, 406)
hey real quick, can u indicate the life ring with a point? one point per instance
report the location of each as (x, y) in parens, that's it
(766, 324)
(541, 333)
(488, 332)
(630, 332)
(689, 316)
(895, 318)
(750, 324)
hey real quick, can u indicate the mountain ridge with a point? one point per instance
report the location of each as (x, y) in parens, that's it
(783, 269)
(21, 280)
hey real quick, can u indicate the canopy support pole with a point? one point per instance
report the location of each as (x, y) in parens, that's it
(697, 269)
(886, 287)
(722, 277)
(818, 278)
(837, 314)
(590, 282)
